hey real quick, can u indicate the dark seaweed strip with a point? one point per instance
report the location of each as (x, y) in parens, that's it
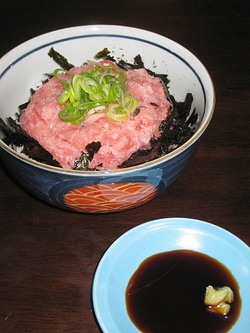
(175, 129)
(192, 120)
(92, 148)
(138, 63)
(142, 156)
(34, 150)
(15, 136)
(13, 133)
(23, 106)
(183, 108)
(59, 59)
(83, 162)
(104, 54)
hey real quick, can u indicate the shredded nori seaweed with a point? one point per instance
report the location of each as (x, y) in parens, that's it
(175, 130)
(16, 137)
(83, 162)
(104, 54)
(60, 59)
(138, 63)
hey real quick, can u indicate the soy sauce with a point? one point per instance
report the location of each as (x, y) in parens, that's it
(166, 294)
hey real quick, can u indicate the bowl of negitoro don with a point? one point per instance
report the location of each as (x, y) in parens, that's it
(105, 174)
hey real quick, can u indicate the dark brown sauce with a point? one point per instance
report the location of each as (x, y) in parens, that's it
(166, 294)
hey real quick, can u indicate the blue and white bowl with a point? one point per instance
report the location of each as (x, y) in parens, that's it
(22, 69)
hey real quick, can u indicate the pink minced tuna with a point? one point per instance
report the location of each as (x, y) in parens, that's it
(119, 140)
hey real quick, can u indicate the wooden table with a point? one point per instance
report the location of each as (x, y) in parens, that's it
(48, 256)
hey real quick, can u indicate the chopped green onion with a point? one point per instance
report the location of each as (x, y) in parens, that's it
(95, 90)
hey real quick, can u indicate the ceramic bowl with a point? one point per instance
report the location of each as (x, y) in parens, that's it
(101, 192)
(124, 256)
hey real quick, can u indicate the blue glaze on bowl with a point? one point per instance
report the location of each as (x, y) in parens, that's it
(52, 185)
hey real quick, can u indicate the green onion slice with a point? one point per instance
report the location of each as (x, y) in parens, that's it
(101, 89)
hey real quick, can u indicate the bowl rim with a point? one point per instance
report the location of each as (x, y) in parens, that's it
(114, 29)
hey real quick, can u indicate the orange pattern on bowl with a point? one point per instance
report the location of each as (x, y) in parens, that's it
(104, 198)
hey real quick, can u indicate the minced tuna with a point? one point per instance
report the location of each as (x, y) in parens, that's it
(118, 140)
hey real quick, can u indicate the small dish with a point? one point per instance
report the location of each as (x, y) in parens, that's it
(124, 256)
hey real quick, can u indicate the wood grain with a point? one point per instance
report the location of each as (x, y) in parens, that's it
(48, 256)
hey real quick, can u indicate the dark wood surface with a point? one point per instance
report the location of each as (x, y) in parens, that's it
(48, 256)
